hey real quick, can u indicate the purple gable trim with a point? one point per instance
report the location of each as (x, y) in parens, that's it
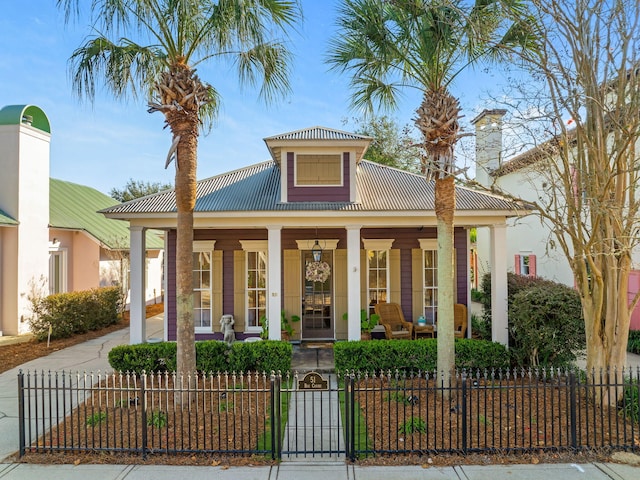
(317, 194)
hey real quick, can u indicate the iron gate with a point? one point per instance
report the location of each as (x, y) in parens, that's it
(312, 411)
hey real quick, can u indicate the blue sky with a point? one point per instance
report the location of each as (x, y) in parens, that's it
(104, 144)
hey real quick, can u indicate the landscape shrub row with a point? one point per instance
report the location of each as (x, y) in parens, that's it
(416, 355)
(212, 356)
(68, 314)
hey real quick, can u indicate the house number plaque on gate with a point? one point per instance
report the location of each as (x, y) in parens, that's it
(313, 381)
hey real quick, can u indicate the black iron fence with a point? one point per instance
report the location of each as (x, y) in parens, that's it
(388, 413)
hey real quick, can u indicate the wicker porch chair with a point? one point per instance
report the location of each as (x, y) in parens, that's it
(460, 320)
(392, 319)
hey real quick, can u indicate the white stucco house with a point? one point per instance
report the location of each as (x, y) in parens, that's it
(529, 242)
(51, 237)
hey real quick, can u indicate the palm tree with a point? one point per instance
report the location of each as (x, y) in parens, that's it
(169, 39)
(390, 44)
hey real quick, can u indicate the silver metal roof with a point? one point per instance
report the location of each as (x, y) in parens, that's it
(317, 133)
(256, 188)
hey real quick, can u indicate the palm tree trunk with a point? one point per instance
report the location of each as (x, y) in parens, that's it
(185, 201)
(445, 202)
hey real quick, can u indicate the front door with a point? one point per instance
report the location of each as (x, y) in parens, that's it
(317, 301)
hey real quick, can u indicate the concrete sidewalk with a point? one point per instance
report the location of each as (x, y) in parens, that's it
(321, 471)
(92, 356)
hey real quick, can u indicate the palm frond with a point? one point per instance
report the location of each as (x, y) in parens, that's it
(121, 69)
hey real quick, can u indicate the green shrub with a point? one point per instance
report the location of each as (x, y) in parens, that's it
(265, 356)
(546, 325)
(634, 342)
(416, 355)
(148, 357)
(480, 328)
(72, 313)
(212, 356)
(515, 284)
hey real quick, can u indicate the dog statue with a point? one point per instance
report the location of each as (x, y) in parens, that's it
(226, 327)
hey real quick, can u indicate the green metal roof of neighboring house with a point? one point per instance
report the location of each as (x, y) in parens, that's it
(75, 207)
(6, 219)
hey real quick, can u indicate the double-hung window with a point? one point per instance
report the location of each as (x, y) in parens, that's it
(525, 264)
(202, 285)
(256, 282)
(430, 279)
(377, 271)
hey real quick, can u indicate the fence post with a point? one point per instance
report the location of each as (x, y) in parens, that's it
(464, 412)
(275, 420)
(21, 425)
(143, 407)
(572, 402)
(350, 424)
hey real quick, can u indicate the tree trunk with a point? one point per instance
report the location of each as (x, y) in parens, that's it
(607, 330)
(186, 162)
(445, 202)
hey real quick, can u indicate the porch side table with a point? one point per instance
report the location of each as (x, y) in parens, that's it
(424, 331)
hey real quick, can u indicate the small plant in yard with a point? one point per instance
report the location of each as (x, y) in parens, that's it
(96, 418)
(413, 425)
(484, 420)
(157, 419)
(629, 405)
(226, 407)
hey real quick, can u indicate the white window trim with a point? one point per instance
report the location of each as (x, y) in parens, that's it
(428, 243)
(387, 271)
(378, 243)
(206, 246)
(295, 169)
(253, 246)
(432, 246)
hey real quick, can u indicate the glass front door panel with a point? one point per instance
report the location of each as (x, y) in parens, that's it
(317, 301)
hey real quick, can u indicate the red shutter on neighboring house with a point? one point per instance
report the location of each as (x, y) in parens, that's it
(517, 265)
(532, 265)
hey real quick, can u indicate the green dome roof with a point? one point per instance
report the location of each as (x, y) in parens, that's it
(27, 114)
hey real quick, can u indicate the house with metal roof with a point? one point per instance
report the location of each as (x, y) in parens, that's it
(52, 238)
(530, 249)
(317, 231)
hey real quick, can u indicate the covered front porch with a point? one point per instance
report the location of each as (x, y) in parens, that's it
(260, 272)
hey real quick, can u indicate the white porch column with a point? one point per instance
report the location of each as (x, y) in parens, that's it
(137, 303)
(274, 300)
(499, 315)
(353, 281)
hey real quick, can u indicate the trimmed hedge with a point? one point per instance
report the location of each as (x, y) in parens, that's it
(416, 355)
(74, 312)
(212, 356)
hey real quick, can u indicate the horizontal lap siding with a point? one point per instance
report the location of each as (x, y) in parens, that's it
(462, 264)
